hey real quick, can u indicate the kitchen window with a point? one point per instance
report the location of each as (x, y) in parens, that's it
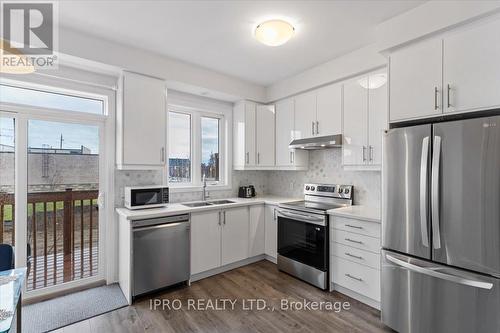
(179, 148)
(197, 145)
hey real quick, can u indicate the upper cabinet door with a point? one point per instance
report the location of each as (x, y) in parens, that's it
(329, 110)
(265, 135)
(305, 115)
(415, 81)
(143, 117)
(377, 116)
(472, 69)
(250, 142)
(284, 131)
(354, 147)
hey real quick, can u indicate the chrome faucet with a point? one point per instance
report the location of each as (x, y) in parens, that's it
(205, 195)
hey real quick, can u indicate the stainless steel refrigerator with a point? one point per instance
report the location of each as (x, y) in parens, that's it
(441, 227)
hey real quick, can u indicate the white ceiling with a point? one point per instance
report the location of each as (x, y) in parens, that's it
(218, 34)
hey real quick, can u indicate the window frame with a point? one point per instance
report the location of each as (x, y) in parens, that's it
(196, 114)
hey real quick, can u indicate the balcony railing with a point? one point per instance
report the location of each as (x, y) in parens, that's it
(63, 234)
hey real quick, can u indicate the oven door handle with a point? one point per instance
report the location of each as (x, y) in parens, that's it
(303, 217)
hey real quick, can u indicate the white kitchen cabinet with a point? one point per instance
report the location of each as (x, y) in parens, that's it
(458, 72)
(244, 122)
(305, 115)
(355, 123)
(471, 70)
(141, 117)
(265, 135)
(271, 234)
(287, 158)
(415, 81)
(234, 235)
(218, 237)
(257, 229)
(377, 120)
(329, 110)
(364, 120)
(205, 241)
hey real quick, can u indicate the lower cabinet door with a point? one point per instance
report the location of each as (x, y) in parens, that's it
(256, 235)
(205, 241)
(361, 279)
(234, 235)
(271, 232)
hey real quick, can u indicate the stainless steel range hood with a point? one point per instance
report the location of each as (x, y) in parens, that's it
(318, 142)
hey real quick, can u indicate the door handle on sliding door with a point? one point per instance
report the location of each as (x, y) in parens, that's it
(424, 162)
(436, 157)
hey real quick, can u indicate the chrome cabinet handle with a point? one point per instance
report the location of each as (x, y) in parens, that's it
(274, 214)
(224, 221)
(248, 157)
(258, 158)
(162, 154)
(436, 156)
(219, 218)
(353, 226)
(364, 154)
(353, 277)
(436, 98)
(353, 241)
(435, 272)
(448, 97)
(352, 255)
(293, 157)
(312, 129)
(424, 159)
(371, 154)
(317, 127)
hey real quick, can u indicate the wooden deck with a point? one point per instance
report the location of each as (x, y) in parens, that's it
(56, 269)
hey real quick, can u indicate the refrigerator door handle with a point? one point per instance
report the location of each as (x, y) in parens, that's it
(436, 157)
(434, 272)
(424, 162)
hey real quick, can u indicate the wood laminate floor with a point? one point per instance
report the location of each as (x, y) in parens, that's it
(262, 281)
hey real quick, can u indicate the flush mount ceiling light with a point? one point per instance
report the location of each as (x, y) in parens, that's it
(274, 32)
(374, 82)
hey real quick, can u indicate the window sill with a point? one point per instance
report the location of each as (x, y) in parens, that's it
(197, 188)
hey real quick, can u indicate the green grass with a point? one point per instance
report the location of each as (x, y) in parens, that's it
(7, 210)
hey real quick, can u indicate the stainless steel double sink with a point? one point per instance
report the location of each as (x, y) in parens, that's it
(207, 203)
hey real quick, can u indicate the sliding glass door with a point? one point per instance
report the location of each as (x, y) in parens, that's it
(62, 203)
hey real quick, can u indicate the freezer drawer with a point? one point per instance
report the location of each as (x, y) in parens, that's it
(421, 296)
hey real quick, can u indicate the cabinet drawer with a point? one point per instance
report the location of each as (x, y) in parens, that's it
(356, 255)
(356, 240)
(358, 278)
(360, 227)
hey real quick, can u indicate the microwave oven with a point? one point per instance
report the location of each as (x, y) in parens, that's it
(141, 197)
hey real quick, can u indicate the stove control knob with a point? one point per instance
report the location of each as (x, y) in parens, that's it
(341, 189)
(346, 191)
(307, 188)
(312, 188)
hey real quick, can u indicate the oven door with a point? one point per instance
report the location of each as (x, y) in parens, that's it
(303, 237)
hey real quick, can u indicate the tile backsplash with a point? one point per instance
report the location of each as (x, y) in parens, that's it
(324, 167)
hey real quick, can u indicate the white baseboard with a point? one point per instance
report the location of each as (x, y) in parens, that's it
(228, 267)
(271, 259)
(363, 299)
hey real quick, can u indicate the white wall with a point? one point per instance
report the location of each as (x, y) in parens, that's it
(107, 52)
(429, 18)
(351, 64)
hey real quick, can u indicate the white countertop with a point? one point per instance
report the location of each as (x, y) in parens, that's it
(367, 213)
(178, 208)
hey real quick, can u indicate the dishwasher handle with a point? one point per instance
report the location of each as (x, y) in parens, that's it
(160, 221)
(160, 226)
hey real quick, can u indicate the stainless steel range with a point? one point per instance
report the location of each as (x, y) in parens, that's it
(303, 231)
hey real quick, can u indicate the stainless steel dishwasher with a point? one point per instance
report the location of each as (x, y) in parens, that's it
(160, 253)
